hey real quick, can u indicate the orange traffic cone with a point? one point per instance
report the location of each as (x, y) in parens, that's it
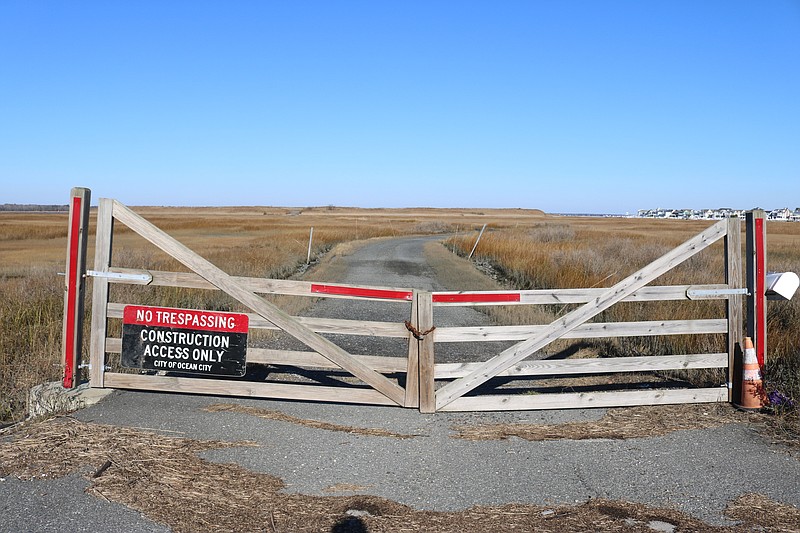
(752, 384)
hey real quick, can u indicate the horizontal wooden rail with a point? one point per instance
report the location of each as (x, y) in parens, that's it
(605, 365)
(565, 296)
(583, 400)
(544, 367)
(585, 331)
(190, 280)
(393, 294)
(225, 387)
(318, 325)
(488, 333)
(383, 364)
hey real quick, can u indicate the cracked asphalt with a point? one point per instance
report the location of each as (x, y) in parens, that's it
(696, 471)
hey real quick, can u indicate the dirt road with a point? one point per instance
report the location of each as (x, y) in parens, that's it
(414, 459)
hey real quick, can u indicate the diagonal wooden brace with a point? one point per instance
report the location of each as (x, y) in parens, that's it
(570, 321)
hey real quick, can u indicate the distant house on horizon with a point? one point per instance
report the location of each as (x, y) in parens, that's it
(780, 214)
(716, 214)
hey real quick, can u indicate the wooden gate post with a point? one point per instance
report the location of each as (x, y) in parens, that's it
(412, 367)
(757, 282)
(733, 310)
(102, 262)
(427, 389)
(74, 285)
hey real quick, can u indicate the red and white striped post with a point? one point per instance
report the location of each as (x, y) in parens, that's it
(72, 333)
(756, 251)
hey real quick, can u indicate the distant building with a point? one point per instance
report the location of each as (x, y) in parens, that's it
(780, 214)
(716, 214)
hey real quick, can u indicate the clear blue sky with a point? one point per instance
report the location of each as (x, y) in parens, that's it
(564, 105)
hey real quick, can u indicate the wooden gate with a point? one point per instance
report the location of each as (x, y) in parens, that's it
(524, 358)
(370, 370)
(413, 378)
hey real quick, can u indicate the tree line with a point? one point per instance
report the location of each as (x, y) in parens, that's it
(33, 207)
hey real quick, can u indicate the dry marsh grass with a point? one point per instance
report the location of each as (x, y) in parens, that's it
(29, 226)
(529, 249)
(593, 252)
(563, 254)
(30, 321)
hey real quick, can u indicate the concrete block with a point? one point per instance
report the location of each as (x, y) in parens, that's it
(50, 398)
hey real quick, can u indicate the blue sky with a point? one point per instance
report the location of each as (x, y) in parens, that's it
(563, 105)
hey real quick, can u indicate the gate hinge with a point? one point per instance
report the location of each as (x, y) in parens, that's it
(89, 366)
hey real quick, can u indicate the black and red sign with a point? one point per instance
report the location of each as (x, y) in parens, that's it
(184, 340)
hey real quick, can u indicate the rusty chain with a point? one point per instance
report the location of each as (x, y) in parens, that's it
(419, 335)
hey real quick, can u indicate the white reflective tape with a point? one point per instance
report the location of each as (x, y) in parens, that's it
(752, 375)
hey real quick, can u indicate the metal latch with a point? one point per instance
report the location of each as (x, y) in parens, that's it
(709, 294)
(143, 278)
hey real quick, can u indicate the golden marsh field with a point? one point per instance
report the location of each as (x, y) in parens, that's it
(526, 248)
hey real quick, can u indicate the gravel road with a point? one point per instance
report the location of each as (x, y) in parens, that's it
(697, 471)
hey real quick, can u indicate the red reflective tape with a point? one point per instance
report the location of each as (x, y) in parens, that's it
(466, 297)
(72, 295)
(361, 292)
(192, 319)
(761, 290)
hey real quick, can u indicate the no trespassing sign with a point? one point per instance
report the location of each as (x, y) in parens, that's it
(184, 340)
